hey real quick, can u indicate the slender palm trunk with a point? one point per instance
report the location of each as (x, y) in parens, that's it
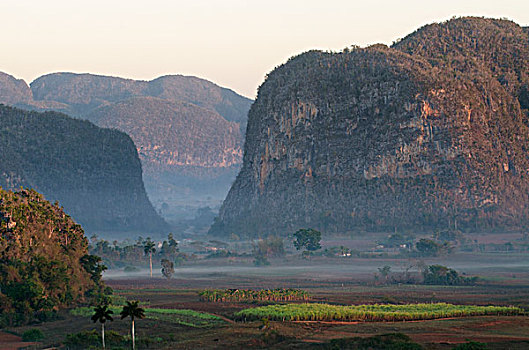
(150, 262)
(103, 334)
(133, 340)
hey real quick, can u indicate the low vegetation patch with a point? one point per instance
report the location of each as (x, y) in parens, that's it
(385, 341)
(239, 295)
(92, 340)
(183, 317)
(33, 334)
(376, 312)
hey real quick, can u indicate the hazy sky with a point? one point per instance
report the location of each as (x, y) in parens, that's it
(233, 43)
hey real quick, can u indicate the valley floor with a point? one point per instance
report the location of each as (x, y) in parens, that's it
(330, 280)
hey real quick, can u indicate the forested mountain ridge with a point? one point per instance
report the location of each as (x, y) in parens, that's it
(429, 134)
(94, 173)
(206, 122)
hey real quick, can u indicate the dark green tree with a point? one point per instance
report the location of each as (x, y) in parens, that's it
(149, 248)
(169, 248)
(385, 271)
(167, 268)
(102, 314)
(133, 311)
(428, 247)
(92, 265)
(442, 275)
(308, 239)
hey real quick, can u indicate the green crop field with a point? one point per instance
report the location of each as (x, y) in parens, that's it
(376, 312)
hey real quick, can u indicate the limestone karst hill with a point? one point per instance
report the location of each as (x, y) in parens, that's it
(431, 133)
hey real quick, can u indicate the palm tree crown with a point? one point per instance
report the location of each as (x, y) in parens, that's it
(149, 246)
(132, 310)
(102, 313)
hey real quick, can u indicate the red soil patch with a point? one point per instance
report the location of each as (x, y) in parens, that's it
(452, 338)
(494, 323)
(12, 342)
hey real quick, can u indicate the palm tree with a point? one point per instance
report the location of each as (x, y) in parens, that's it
(134, 311)
(102, 313)
(148, 248)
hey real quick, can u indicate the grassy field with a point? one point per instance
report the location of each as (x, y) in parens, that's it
(184, 317)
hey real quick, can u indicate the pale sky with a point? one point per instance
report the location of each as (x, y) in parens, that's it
(233, 43)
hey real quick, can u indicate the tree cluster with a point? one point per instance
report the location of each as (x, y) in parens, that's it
(44, 260)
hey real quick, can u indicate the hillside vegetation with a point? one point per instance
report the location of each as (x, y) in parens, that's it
(44, 261)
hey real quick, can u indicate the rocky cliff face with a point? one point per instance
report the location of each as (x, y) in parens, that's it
(94, 173)
(14, 90)
(405, 138)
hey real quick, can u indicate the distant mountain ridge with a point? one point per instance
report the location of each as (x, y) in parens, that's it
(94, 173)
(188, 131)
(84, 92)
(185, 134)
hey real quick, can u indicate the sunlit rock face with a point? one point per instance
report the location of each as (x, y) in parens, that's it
(390, 138)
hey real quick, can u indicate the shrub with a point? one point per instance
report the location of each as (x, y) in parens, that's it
(395, 341)
(442, 275)
(33, 334)
(89, 339)
(308, 239)
(167, 268)
(83, 339)
(261, 260)
(129, 269)
(473, 345)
